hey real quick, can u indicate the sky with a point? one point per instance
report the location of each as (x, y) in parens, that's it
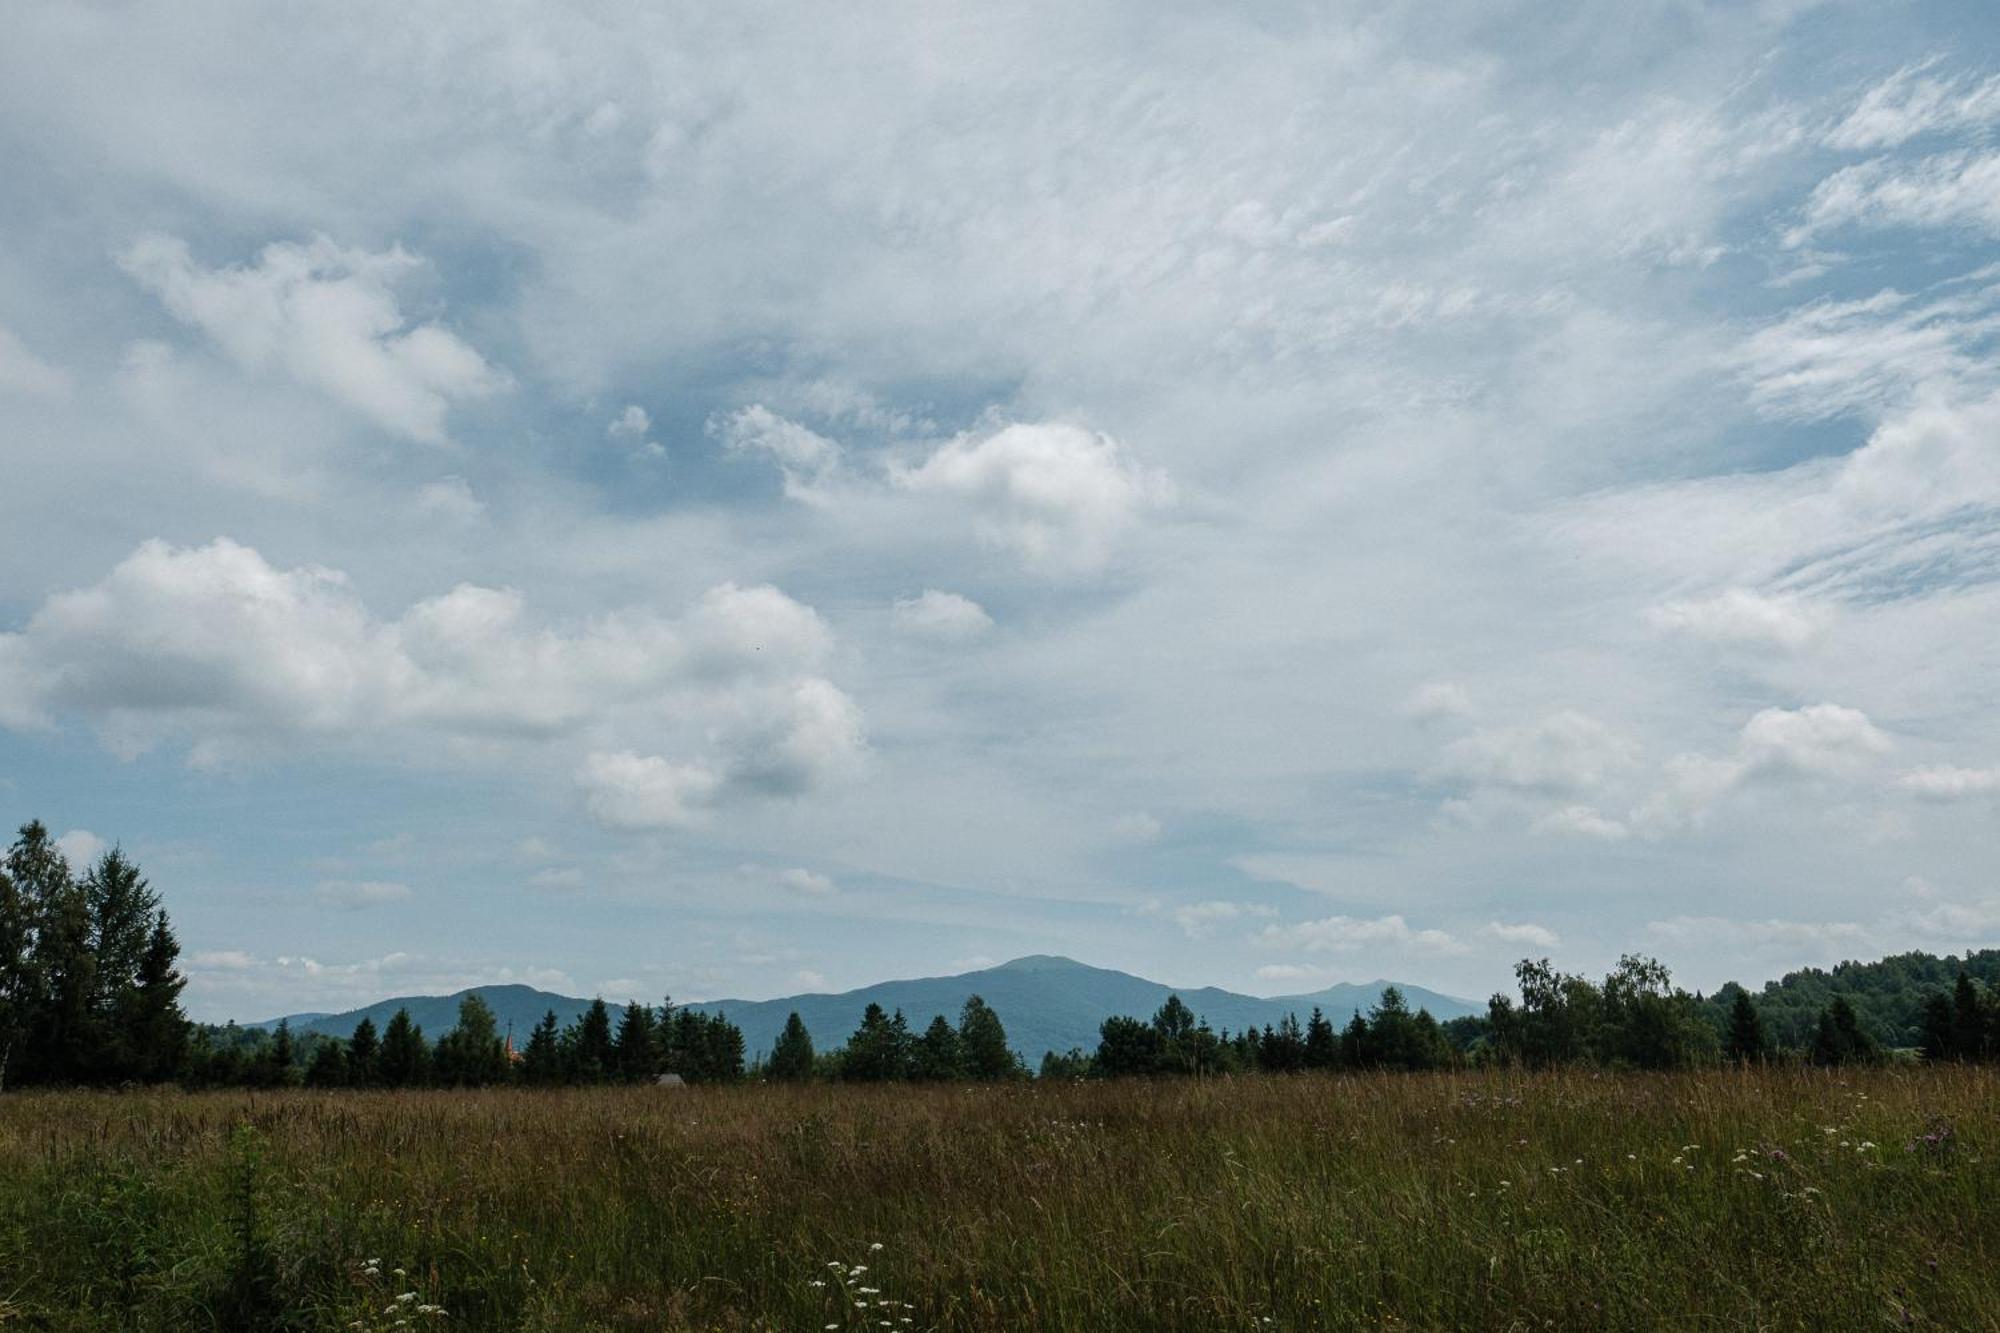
(728, 501)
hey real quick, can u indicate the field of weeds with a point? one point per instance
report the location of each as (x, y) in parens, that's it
(1781, 1199)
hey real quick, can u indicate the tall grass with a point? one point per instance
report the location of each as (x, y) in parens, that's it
(1781, 1199)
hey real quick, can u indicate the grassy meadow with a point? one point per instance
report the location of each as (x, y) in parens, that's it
(1780, 1199)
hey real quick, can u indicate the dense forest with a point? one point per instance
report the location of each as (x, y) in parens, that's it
(90, 995)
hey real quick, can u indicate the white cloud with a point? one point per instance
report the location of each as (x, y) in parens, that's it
(557, 879)
(221, 960)
(1198, 921)
(800, 880)
(645, 792)
(327, 317)
(942, 616)
(1818, 741)
(1565, 751)
(1957, 189)
(1137, 826)
(1058, 495)
(809, 981)
(214, 645)
(22, 372)
(532, 850)
(632, 427)
(1437, 701)
(807, 460)
(1346, 934)
(1539, 937)
(1945, 782)
(353, 895)
(81, 848)
(1580, 821)
(1914, 101)
(1741, 615)
(1815, 937)
(449, 498)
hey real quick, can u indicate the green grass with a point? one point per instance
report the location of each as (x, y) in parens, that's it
(1566, 1201)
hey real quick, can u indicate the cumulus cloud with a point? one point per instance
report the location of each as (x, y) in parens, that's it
(81, 848)
(1347, 934)
(1198, 921)
(635, 792)
(807, 460)
(1818, 741)
(1565, 751)
(1944, 782)
(1539, 937)
(944, 617)
(1057, 495)
(354, 895)
(633, 428)
(327, 317)
(1743, 616)
(216, 646)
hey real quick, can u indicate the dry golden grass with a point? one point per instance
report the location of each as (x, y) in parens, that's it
(1780, 1199)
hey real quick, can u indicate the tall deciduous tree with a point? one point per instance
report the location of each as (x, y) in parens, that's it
(983, 1042)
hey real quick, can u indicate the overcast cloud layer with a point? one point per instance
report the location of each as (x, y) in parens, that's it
(737, 501)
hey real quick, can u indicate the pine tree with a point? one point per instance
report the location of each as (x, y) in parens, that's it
(1938, 1031)
(792, 1054)
(876, 1052)
(470, 1055)
(155, 1028)
(1746, 1030)
(406, 1056)
(363, 1056)
(67, 1035)
(983, 1042)
(635, 1048)
(542, 1062)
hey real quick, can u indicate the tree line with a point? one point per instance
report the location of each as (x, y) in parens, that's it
(642, 1045)
(90, 993)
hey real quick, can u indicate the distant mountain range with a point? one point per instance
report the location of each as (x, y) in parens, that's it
(1047, 1004)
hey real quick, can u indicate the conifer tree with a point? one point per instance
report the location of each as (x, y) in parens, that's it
(363, 1056)
(541, 1062)
(406, 1056)
(592, 1055)
(938, 1057)
(792, 1054)
(635, 1048)
(1746, 1030)
(155, 1028)
(983, 1042)
(278, 1058)
(328, 1066)
(1322, 1045)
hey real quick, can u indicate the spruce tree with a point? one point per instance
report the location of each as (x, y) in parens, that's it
(155, 1028)
(328, 1066)
(939, 1054)
(1322, 1046)
(1968, 1019)
(363, 1056)
(279, 1057)
(1746, 1030)
(542, 1062)
(792, 1054)
(983, 1042)
(592, 1055)
(406, 1056)
(635, 1047)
